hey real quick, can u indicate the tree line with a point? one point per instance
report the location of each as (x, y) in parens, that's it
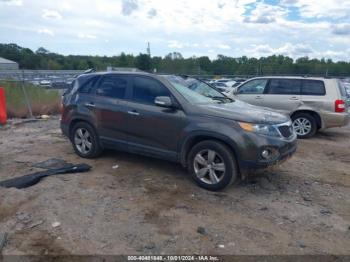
(175, 63)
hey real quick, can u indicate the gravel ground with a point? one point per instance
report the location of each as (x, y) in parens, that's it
(148, 206)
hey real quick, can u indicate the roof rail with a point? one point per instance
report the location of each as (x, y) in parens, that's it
(123, 69)
(89, 71)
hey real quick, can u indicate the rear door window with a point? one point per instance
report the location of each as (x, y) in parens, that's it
(113, 87)
(145, 90)
(256, 86)
(313, 88)
(284, 87)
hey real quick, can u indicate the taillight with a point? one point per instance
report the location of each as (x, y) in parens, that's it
(61, 107)
(339, 106)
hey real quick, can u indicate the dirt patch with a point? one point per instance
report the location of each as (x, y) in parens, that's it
(149, 206)
(38, 242)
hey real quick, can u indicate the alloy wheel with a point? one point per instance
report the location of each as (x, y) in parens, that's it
(209, 166)
(302, 126)
(82, 140)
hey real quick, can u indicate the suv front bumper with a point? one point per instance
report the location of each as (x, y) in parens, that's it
(283, 150)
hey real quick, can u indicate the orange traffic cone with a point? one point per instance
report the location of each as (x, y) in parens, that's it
(3, 115)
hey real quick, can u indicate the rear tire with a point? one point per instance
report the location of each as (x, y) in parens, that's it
(85, 140)
(305, 125)
(212, 165)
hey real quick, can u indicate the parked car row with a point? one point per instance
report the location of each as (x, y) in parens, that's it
(225, 84)
(52, 82)
(312, 103)
(177, 118)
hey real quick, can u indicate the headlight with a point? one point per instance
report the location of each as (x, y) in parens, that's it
(267, 130)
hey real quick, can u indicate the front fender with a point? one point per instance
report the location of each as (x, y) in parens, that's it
(191, 138)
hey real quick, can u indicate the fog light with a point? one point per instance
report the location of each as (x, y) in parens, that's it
(266, 154)
(269, 154)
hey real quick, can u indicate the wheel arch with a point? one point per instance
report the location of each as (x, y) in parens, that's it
(74, 121)
(196, 138)
(313, 114)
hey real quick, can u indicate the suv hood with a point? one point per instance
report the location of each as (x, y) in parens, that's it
(241, 111)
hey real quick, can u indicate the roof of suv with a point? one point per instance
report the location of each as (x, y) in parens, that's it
(118, 73)
(291, 77)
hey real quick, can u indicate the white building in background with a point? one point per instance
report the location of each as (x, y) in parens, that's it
(6, 64)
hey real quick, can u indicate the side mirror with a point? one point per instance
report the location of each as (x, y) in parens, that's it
(163, 101)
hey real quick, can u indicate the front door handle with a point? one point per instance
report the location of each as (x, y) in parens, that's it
(294, 98)
(90, 104)
(258, 97)
(134, 113)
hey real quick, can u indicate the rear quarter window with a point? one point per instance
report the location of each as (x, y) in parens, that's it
(88, 85)
(313, 88)
(341, 88)
(113, 87)
(73, 87)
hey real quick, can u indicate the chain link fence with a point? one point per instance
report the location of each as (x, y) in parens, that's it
(36, 92)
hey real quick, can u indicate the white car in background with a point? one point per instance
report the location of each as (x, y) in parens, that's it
(226, 82)
(223, 85)
(45, 83)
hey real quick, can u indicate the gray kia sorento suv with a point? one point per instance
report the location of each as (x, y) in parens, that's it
(177, 118)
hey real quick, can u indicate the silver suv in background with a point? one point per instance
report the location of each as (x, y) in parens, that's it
(312, 103)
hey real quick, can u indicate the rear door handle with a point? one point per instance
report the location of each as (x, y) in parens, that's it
(90, 104)
(258, 97)
(294, 98)
(134, 113)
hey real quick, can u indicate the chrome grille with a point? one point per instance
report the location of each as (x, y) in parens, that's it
(286, 131)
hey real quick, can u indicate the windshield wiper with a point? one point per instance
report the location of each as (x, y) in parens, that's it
(222, 98)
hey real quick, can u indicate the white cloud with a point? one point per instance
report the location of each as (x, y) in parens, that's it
(341, 29)
(12, 2)
(51, 14)
(224, 46)
(265, 14)
(193, 27)
(175, 44)
(152, 13)
(94, 23)
(321, 8)
(46, 31)
(129, 6)
(289, 2)
(66, 6)
(86, 36)
(288, 49)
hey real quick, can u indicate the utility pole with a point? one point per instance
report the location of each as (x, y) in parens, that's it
(149, 49)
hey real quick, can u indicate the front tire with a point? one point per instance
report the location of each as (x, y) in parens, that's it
(85, 140)
(304, 125)
(212, 165)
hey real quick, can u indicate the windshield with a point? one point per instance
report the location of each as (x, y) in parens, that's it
(195, 91)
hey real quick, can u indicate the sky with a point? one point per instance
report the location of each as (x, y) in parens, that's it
(255, 28)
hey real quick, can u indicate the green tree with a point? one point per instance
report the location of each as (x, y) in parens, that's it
(143, 62)
(175, 63)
